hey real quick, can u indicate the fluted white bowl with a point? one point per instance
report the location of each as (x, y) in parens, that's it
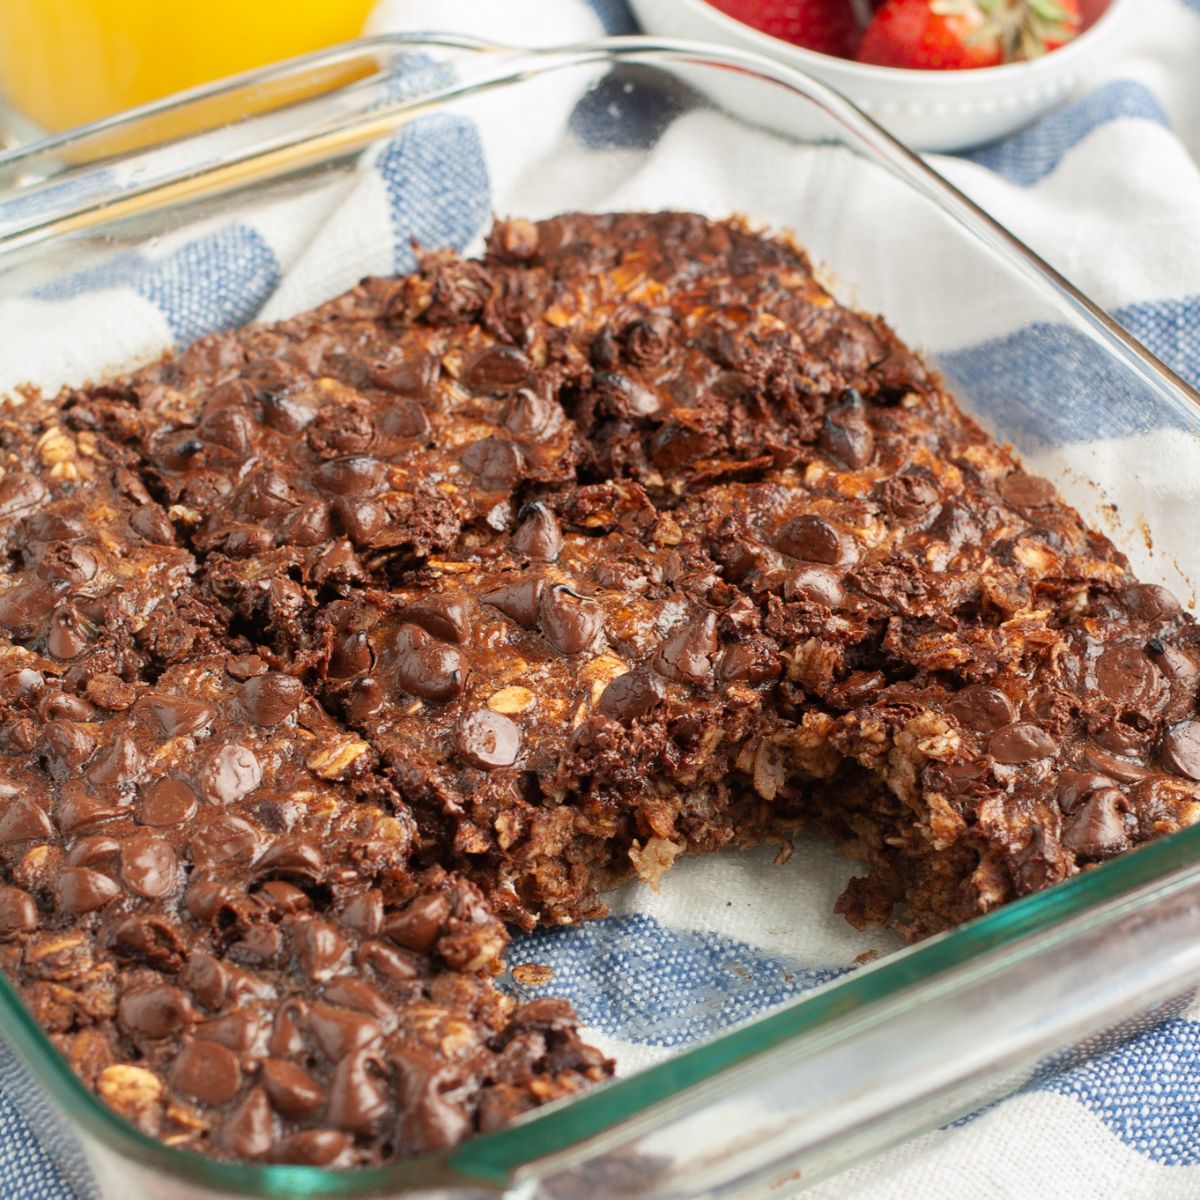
(928, 110)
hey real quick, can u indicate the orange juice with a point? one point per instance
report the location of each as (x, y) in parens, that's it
(64, 62)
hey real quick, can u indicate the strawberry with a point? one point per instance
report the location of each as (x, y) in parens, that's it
(825, 25)
(957, 34)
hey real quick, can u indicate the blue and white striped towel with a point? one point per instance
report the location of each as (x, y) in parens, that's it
(1107, 188)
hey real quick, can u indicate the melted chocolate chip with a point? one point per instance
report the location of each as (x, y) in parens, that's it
(569, 622)
(632, 696)
(521, 601)
(1026, 491)
(271, 698)
(207, 1072)
(497, 370)
(982, 707)
(488, 739)
(446, 616)
(1021, 743)
(810, 538)
(817, 585)
(432, 672)
(496, 461)
(1180, 752)
(538, 536)
(687, 655)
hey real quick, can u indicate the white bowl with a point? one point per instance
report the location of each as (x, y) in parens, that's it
(928, 110)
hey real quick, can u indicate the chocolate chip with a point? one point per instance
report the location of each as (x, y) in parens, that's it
(339, 1031)
(167, 802)
(810, 538)
(320, 949)
(982, 707)
(1151, 603)
(82, 890)
(207, 979)
(1118, 768)
(24, 820)
(360, 518)
(364, 913)
(18, 911)
(227, 426)
(569, 622)
(632, 696)
(67, 633)
(175, 716)
(245, 666)
(1180, 752)
(271, 698)
(357, 475)
(687, 655)
(351, 655)
(308, 525)
(418, 925)
(120, 763)
(497, 371)
(311, 1148)
(446, 616)
(845, 433)
(406, 419)
(817, 585)
(1075, 786)
(24, 609)
(149, 866)
(249, 1129)
(538, 536)
(909, 496)
(389, 963)
(231, 773)
(1097, 829)
(222, 838)
(433, 672)
(858, 688)
(348, 992)
(496, 461)
(207, 1072)
(1026, 491)
(488, 739)
(520, 601)
(1021, 743)
(157, 1011)
(530, 415)
(298, 856)
(293, 1092)
(1127, 677)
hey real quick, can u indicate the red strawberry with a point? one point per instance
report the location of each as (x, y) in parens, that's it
(825, 25)
(957, 34)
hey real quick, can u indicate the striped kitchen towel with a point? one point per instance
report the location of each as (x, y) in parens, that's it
(1107, 188)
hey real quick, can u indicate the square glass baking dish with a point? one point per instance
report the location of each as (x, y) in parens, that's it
(897, 1046)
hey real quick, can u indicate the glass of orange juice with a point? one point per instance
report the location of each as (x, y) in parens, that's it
(64, 62)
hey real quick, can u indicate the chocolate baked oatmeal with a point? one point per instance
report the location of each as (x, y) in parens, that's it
(329, 649)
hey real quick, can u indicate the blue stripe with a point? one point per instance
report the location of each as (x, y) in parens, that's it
(1046, 384)
(1146, 1091)
(643, 982)
(438, 189)
(1029, 156)
(39, 1158)
(215, 282)
(614, 16)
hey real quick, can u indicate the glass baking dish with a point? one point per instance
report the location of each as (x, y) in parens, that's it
(878, 1054)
